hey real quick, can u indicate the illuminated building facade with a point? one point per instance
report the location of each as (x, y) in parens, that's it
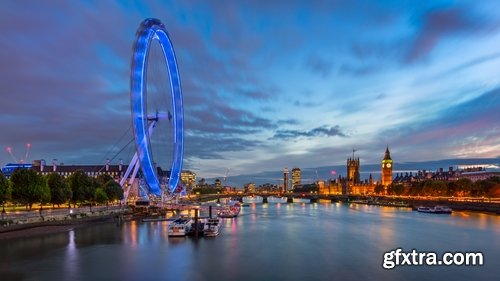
(188, 178)
(285, 180)
(387, 168)
(295, 177)
(353, 176)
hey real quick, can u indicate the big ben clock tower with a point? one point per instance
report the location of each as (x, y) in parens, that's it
(387, 168)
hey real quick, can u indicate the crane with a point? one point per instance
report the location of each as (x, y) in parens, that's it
(226, 175)
(26, 155)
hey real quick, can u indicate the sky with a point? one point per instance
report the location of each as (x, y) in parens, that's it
(266, 84)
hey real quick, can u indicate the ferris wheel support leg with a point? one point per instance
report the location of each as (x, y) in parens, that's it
(132, 178)
(134, 163)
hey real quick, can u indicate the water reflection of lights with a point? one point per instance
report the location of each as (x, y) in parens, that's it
(230, 223)
(164, 231)
(71, 261)
(133, 234)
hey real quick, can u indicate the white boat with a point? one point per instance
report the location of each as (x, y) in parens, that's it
(230, 211)
(213, 227)
(435, 210)
(179, 226)
(301, 200)
(253, 199)
(277, 199)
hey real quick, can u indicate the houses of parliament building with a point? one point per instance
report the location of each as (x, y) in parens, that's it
(352, 183)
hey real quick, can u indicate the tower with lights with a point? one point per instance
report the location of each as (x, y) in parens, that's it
(387, 168)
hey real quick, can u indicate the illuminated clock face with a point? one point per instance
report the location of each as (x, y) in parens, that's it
(388, 165)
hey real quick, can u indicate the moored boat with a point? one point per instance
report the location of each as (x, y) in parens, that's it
(435, 210)
(277, 199)
(212, 227)
(179, 226)
(230, 211)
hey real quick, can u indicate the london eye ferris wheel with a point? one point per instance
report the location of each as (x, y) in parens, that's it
(157, 111)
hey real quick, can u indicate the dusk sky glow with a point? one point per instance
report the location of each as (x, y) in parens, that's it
(266, 84)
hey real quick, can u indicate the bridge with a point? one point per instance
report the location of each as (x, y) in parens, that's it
(314, 197)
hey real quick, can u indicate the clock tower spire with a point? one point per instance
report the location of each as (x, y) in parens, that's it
(387, 168)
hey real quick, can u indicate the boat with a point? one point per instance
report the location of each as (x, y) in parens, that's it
(435, 210)
(301, 200)
(277, 199)
(253, 199)
(213, 227)
(230, 211)
(179, 226)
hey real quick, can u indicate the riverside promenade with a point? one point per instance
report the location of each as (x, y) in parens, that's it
(25, 223)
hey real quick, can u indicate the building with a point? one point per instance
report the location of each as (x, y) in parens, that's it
(352, 184)
(353, 176)
(473, 174)
(387, 168)
(285, 180)
(188, 178)
(322, 188)
(217, 183)
(295, 177)
(249, 187)
(115, 171)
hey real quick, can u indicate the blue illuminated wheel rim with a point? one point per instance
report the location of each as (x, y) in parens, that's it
(153, 29)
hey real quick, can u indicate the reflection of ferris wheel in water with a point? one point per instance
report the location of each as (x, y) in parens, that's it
(157, 118)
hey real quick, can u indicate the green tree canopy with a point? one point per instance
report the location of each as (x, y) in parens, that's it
(379, 189)
(462, 187)
(100, 196)
(396, 189)
(4, 189)
(29, 187)
(113, 190)
(82, 187)
(102, 179)
(59, 189)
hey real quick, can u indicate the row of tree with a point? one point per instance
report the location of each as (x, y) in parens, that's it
(28, 187)
(459, 188)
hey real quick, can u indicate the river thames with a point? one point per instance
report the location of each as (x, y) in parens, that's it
(265, 242)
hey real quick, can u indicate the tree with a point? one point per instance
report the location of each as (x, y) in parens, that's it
(59, 189)
(113, 190)
(4, 191)
(102, 179)
(379, 189)
(29, 187)
(463, 187)
(82, 187)
(397, 189)
(434, 188)
(100, 196)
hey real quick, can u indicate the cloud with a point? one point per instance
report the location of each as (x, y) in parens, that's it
(290, 121)
(466, 129)
(437, 25)
(319, 65)
(214, 146)
(359, 70)
(318, 131)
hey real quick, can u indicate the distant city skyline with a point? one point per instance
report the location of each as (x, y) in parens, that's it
(311, 174)
(266, 85)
